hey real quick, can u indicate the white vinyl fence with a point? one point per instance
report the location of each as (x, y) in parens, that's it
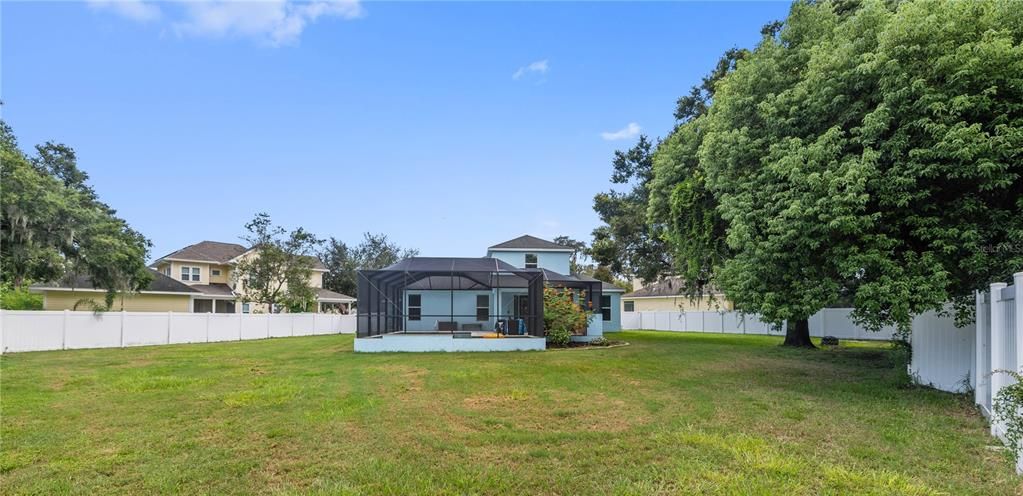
(958, 360)
(828, 322)
(66, 330)
(999, 345)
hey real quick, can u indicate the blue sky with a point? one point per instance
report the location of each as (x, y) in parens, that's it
(447, 126)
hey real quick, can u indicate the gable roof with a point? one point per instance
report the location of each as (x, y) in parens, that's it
(527, 242)
(207, 251)
(221, 253)
(160, 283)
(667, 287)
(326, 294)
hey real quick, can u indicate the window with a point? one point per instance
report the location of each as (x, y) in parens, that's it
(531, 260)
(630, 306)
(189, 273)
(166, 270)
(605, 307)
(245, 308)
(215, 272)
(415, 307)
(482, 307)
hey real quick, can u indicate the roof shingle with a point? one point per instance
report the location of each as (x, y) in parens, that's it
(326, 294)
(208, 251)
(527, 242)
(159, 283)
(670, 286)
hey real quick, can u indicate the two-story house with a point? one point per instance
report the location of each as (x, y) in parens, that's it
(500, 294)
(208, 267)
(197, 278)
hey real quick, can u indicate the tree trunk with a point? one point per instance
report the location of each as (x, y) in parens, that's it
(798, 334)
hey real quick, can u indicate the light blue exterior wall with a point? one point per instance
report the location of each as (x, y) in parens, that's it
(558, 261)
(615, 324)
(440, 303)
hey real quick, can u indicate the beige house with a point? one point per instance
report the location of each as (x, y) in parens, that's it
(664, 295)
(163, 294)
(197, 278)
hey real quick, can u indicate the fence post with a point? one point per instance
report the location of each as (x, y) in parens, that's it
(240, 317)
(268, 324)
(122, 328)
(208, 315)
(170, 315)
(999, 340)
(1017, 301)
(981, 350)
(291, 317)
(63, 330)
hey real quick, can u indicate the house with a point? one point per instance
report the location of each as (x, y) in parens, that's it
(197, 278)
(531, 252)
(428, 303)
(164, 294)
(664, 295)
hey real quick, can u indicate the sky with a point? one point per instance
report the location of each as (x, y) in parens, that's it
(449, 127)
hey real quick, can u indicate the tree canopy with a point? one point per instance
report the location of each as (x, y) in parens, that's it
(867, 151)
(54, 225)
(375, 251)
(279, 271)
(626, 245)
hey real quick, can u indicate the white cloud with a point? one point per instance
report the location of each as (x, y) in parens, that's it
(276, 22)
(136, 10)
(627, 132)
(538, 67)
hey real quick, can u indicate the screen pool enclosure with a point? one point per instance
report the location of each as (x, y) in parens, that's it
(514, 307)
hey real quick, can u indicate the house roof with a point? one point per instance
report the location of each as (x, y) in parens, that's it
(527, 242)
(160, 283)
(611, 288)
(454, 264)
(208, 251)
(220, 252)
(667, 287)
(317, 264)
(215, 289)
(326, 294)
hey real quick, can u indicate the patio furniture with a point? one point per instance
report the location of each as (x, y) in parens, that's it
(472, 327)
(447, 326)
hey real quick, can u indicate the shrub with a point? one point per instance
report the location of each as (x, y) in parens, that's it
(12, 298)
(558, 338)
(1008, 408)
(561, 312)
(601, 341)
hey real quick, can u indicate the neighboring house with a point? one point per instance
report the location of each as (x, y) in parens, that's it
(197, 278)
(480, 295)
(164, 294)
(664, 295)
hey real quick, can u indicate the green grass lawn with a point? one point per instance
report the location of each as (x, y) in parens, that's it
(671, 413)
